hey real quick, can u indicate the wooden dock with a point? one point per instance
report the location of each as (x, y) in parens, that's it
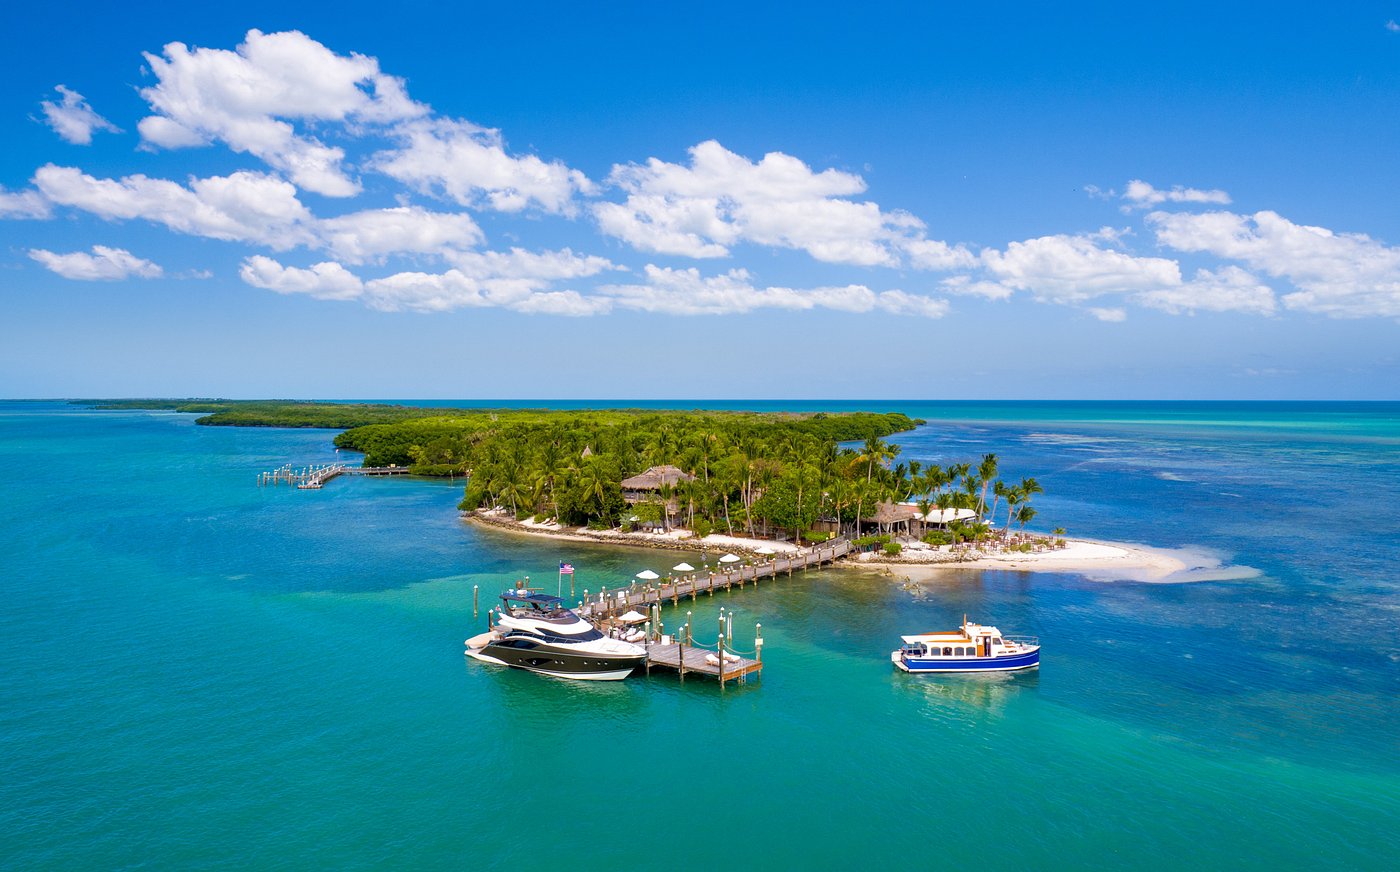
(314, 477)
(606, 604)
(689, 659)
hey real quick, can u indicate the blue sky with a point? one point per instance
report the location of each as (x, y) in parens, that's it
(921, 201)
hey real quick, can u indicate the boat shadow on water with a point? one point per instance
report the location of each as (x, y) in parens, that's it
(989, 691)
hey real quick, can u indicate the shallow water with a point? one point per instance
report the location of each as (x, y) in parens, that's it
(196, 671)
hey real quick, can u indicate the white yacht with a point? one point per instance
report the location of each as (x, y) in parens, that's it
(534, 631)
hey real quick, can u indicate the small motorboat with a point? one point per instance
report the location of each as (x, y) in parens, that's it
(534, 631)
(973, 648)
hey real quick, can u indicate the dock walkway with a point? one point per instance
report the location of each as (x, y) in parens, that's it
(314, 477)
(607, 603)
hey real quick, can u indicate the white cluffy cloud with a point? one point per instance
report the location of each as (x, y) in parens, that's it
(324, 281)
(686, 292)
(243, 207)
(722, 198)
(1345, 275)
(73, 119)
(1074, 270)
(23, 204)
(247, 99)
(518, 280)
(373, 234)
(470, 166)
(104, 264)
(255, 208)
(1142, 195)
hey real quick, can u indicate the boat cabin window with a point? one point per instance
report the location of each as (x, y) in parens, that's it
(996, 641)
(947, 652)
(958, 651)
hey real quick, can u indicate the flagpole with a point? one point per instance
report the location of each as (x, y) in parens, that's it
(560, 589)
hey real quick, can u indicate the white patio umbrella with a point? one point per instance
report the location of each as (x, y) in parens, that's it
(633, 617)
(765, 550)
(647, 575)
(682, 567)
(730, 558)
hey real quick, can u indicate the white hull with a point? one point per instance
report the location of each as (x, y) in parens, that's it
(615, 675)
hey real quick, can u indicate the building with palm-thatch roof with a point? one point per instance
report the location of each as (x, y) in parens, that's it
(646, 487)
(888, 514)
(647, 484)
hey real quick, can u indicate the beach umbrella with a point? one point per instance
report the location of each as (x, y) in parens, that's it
(730, 558)
(647, 575)
(633, 617)
(634, 519)
(682, 567)
(765, 550)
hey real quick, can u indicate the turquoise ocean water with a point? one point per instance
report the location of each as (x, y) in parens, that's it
(195, 672)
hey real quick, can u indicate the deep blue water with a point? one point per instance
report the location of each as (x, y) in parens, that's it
(198, 672)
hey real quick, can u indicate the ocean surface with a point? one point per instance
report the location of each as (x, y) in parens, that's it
(196, 672)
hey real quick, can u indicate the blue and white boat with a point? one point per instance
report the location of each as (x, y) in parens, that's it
(974, 648)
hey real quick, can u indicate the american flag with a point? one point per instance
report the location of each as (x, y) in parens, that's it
(566, 569)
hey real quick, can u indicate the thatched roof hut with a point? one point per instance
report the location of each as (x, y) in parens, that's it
(887, 513)
(653, 479)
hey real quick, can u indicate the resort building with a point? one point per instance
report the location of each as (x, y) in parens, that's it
(646, 487)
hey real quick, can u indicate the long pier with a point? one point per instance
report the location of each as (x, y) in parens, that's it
(313, 477)
(606, 604)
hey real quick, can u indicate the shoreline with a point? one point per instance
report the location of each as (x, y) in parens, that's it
(1096, 560)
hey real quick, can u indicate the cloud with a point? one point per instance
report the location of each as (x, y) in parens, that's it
(1344, 275)
(1229, 289)
(324, 281)
(1073, 269)
(521, 264)
(242, 97)
(1392, 26)
(685, 292)
(722, 198)
(1141, 195)
(517, 280)
(1115, 314)
(469, 165)
(967, 286)
(104, 264)
(73, 119)
(244, 206)
(361, 237)
(23, 204)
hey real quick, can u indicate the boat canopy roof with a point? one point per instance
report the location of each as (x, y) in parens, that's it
(527, 596)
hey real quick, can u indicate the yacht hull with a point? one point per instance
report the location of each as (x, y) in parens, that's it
(557, 661)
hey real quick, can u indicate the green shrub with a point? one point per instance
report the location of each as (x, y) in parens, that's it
(599, 524)
(938, 537)
(702, 528)
(814, 536)
(893, 548)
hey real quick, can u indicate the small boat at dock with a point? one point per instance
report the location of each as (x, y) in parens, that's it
(972, 648)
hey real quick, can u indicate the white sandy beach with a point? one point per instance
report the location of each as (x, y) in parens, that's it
(1100, 561)
(1097, 560)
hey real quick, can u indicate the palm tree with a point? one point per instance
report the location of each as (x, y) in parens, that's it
(987, 471)
(1025, 515)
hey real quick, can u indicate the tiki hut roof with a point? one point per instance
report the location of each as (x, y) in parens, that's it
(655, 477)
(890, 513)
